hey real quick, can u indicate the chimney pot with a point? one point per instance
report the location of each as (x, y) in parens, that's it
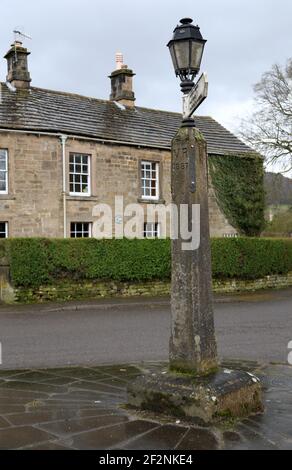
(119, 60)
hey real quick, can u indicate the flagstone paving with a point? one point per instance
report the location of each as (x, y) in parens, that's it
(84, 408)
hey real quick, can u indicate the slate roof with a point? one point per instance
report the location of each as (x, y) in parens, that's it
(58, 112)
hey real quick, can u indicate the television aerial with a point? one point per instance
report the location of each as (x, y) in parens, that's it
(18, 38)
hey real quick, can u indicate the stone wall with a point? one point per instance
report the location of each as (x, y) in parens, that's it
(34, 205)
(276, 281)
(66, 291)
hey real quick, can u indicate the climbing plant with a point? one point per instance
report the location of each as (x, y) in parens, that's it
(239, 190)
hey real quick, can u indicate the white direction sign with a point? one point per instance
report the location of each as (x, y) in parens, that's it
(196, 96)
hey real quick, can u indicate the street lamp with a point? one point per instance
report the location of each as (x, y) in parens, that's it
(186, 50)
(195, 386)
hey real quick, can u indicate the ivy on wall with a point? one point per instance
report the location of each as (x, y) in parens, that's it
(238, 182)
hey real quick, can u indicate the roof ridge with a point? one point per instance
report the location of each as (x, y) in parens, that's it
(68, 93)
(64, 93)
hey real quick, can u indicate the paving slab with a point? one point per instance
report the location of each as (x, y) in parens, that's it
(85, 408)
(14, 438)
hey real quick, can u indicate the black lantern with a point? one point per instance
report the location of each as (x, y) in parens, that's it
(186, 49)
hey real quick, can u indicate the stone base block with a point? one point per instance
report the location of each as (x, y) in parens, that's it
(224, 394)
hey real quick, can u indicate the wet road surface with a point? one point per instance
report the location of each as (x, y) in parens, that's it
(251, 326)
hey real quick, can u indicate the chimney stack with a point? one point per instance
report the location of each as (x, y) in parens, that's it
(18, 75)
(122, 83)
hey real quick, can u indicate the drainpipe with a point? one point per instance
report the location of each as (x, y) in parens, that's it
(63, 141)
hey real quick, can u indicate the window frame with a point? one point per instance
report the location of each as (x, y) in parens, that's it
(83, 231)
(142, 179)
(230, 235)
(6, 230)
(156, 229)
(78, 194)
(6, 171)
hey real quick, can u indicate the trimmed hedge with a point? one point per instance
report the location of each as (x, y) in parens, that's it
(36, 262)
(250, 258)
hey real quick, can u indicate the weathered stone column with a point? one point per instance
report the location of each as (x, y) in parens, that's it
(184, 390)
(223, 393)
(192, 343)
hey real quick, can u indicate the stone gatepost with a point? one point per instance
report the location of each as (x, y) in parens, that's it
(7, 294)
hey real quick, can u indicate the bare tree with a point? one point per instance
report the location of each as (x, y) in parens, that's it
(269, 128)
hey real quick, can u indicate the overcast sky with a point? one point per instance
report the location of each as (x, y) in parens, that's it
(74, 44)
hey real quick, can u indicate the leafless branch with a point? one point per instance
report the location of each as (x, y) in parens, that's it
(269, 128)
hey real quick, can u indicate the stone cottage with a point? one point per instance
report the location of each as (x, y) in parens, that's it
(61, 154)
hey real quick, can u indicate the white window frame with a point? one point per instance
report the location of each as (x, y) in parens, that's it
(153, 232)
(143, 178)
(230, 235)
(88, 193)
(82, 231)
(6, 229)
(5, 151)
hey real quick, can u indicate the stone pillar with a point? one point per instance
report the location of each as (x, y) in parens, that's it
(7, 294)
(184, 390)
(192, 344)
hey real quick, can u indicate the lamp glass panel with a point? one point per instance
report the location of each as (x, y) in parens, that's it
(197, 53)
(182, 50)
(173, 57)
